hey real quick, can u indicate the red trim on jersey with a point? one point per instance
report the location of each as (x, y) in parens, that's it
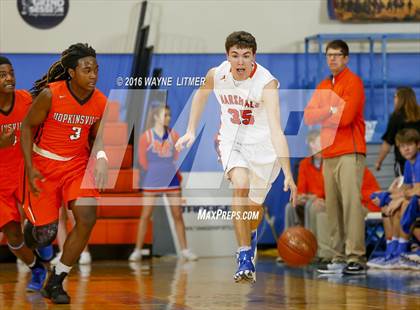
(253, 70)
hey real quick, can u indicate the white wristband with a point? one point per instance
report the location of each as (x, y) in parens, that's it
(101, 154)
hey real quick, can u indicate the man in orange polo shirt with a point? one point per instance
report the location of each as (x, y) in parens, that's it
(337, 105)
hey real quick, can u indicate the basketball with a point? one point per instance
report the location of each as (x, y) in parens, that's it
(297, 246)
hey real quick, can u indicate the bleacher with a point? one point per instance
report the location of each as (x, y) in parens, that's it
(385, 176)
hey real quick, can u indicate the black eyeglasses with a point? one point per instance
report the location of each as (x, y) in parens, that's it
(334, 55)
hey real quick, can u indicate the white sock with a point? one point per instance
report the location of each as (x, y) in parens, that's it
(244, 248)
(33, 263)
(388, 241)
(394, 238)
(402, 240)
(60, 268)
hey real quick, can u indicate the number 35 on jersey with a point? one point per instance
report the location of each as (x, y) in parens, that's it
(243, 117)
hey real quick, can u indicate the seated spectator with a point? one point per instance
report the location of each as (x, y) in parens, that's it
(402, 208)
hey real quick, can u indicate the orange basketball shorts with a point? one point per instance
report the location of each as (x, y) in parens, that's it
(64, 181)
(11, 193)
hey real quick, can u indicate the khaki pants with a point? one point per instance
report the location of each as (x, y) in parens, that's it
(343, 180)
(317, 222)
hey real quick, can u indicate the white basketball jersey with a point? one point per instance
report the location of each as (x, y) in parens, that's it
(243, 116)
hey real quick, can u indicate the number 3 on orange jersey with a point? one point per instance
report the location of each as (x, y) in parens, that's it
(245, 118)
(76, 135)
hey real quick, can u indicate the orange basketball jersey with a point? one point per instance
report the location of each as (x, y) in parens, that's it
(11, 156)
(65, 132)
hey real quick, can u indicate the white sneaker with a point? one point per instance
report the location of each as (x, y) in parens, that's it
(85, 258)
(188, 255)
(135, 256)
(56, 259)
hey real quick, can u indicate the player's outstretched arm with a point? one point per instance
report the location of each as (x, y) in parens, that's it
(37, 114)
(197, 107)
(272, 105)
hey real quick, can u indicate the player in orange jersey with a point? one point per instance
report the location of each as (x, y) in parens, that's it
(66, 115)
(14, 105)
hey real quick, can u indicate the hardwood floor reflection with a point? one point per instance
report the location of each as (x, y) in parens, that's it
(167, 283)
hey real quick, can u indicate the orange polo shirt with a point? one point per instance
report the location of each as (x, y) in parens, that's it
(342, 132)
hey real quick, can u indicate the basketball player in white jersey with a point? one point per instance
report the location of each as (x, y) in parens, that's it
(252, 145)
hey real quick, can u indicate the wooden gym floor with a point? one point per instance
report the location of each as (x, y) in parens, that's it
(166, 283)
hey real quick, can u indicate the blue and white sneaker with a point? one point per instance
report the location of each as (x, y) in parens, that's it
(46, 253)
(37, 280)
(392, 263)
(246, 267)
(379, 263)
(376, 262)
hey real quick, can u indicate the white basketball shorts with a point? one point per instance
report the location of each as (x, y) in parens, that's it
(261, 161)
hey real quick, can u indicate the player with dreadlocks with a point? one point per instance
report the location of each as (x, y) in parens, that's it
(65, 116)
